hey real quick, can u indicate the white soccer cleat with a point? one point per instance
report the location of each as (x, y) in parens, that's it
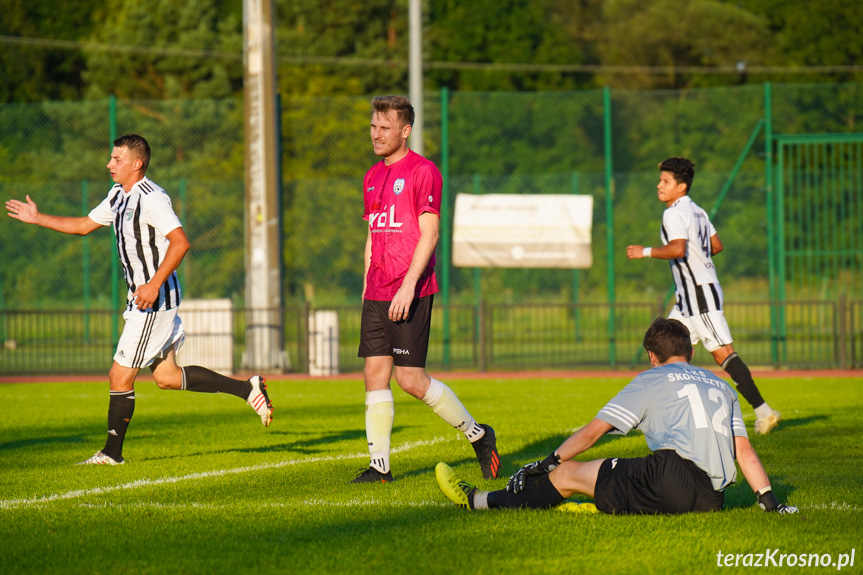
(768, 423)
(99, 458)
(260, 401)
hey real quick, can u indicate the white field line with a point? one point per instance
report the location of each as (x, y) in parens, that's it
(267, 505)
(14, 503)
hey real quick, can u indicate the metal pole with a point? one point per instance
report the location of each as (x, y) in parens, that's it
(85, 209)
(446, 233)
(576, 312)
(263, 270)
(181, 273)
(115, 263)
(415, 73)
(609, 219)
(771, 224)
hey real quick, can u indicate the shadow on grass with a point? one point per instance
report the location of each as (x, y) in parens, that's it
(798, 422)
(315, 444)
(40, 441)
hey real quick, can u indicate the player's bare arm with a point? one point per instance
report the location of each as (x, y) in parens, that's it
(583, 439)
(715, 245)
(757, 478)
(429, 231)
(29, 213)
(146, 294)
(367, 262)
(673, 250)
(750, 465)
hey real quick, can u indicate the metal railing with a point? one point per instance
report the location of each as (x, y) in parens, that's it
(485, 337)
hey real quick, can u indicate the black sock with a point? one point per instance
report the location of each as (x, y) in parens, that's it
(203, 380)
(538, 494)
(120, 410)
(741, 375)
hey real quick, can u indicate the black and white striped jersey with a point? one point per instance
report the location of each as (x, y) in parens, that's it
(694, 274)
(141, 220)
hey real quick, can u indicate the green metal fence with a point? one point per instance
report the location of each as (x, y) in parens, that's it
(760, 172)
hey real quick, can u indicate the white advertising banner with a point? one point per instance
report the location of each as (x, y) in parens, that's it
(522, 231)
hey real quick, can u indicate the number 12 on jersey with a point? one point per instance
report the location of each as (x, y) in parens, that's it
(699, 412)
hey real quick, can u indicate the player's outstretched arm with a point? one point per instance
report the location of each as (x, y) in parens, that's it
(757, 478)
(29, 213)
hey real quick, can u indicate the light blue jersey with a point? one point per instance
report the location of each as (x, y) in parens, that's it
(684, 408)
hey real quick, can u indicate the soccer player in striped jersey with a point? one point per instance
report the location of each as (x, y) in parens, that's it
(151, 244)
(402, 207)
(689, 243)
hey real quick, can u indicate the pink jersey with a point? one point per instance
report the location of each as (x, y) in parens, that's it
(395, 196)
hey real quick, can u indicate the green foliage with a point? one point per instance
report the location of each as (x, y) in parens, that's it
(203, 25)
(206, 489)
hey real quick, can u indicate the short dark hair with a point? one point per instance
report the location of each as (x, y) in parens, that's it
(402, 106)
(682, 169)
(668, 338)
(137, 145)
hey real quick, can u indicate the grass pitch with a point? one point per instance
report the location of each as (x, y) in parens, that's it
(207, 489)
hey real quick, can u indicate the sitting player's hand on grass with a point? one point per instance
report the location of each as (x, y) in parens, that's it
(768, 502)
(530, 471)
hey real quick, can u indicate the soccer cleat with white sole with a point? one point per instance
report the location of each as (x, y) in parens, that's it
(99, 458)
(260, 401)
(765, 425)
(458, 491)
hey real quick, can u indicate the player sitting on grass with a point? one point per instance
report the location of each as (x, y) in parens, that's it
(692, 422)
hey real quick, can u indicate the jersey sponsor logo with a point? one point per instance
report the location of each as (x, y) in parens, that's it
(614, 463)
(370, 189)
(398, 351)
(431, 199)
(385, 219)
(398, 186)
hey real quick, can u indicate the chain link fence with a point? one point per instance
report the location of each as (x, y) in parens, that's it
(602, 143)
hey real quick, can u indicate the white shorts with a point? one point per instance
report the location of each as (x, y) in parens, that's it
(709, 328)
(148, 336)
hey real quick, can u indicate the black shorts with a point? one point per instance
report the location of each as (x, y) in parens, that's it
(662, 482)
(407, 341)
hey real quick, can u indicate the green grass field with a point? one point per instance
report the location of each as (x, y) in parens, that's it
(207, 489)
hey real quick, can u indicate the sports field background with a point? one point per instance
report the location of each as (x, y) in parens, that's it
(207, 489)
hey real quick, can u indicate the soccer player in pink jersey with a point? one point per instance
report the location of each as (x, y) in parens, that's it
(402, 196)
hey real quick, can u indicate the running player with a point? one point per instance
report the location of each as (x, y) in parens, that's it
(692, 423)
(402, 207)
(689, 243)
(151, 244)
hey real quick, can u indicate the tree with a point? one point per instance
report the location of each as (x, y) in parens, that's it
(36, 70)
(181, 50)
(667, 33)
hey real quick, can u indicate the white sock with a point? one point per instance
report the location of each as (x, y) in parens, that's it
(447, 406)
(380, 413)
(480, 500)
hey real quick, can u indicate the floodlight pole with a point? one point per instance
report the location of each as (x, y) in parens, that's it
(264, 332)
(415, 73)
